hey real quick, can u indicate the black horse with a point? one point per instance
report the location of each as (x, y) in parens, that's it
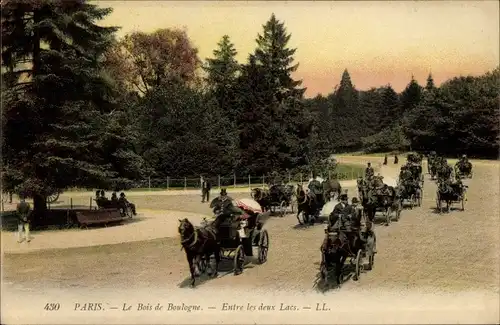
(199, 243)
(335, 250)
(308, 205)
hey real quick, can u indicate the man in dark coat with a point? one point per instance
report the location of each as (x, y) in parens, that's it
(337, 218)
(369, 172)
(23, 212)
(124, 203)
(206, 186)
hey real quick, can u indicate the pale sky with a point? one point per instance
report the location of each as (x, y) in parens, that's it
(378, 42)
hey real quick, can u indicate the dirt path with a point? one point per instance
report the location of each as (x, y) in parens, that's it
(451, 251)
(440, 267)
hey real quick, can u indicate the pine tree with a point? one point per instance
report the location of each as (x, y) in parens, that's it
(411, 96)
(62, 127)
(222, 70)
(284, 125)
(390, 113)
(430, 83)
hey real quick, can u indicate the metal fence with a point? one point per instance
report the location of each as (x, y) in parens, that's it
(237, 181)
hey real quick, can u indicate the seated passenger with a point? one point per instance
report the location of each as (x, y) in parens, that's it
(124, 203)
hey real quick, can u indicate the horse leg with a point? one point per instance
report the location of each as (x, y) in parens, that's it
(190, 259)
(339, 276)
(299, 210)
(217, 261)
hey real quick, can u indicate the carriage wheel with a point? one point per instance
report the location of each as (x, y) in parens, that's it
(283, 207)
(53, 198)
(239, 260)
(358, 266)
(263, 246)
(412, 201)
(463, 204)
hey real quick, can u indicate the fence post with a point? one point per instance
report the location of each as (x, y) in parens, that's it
(300, 178)
(90, 203)
(234, 178)
(263, 180)
(71, 202)
(149, 183)
(185, 183)
(352, 173)
(249, 181)
(168, 182)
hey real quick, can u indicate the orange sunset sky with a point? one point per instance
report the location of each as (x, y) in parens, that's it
(378, 42)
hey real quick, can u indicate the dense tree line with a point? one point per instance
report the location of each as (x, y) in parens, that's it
(83, 108)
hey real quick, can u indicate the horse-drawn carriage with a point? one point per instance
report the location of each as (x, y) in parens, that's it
(450, 193)
(381, 198)
(338, 246)
(463, 169)
(277, 198)
(238, 236)
(412, 192)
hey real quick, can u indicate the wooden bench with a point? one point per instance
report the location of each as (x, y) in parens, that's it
(100, 216)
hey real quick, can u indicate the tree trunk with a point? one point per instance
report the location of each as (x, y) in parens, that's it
(39, 209)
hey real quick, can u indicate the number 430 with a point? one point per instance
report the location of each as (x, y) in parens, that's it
(52, 306)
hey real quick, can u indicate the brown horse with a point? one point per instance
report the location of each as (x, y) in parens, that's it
(199, 242)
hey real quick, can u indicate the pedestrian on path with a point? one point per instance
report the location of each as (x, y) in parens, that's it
(23, 213)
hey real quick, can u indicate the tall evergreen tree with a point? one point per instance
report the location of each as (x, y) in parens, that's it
(222, 71)
(62, 127)
(390, 113)
(430, 83)
(284, 125)
(411, 96)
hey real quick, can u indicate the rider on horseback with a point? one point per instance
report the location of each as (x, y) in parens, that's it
(369, 172)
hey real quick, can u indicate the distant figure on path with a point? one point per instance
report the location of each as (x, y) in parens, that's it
(396, 160)
(206, 186)
(23, 212)
(385, 160)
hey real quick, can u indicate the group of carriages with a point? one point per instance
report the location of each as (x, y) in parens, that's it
(234, 239)
(306, 201)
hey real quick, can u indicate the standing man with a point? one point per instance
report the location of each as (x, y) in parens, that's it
(206, 186)
(23, 213)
